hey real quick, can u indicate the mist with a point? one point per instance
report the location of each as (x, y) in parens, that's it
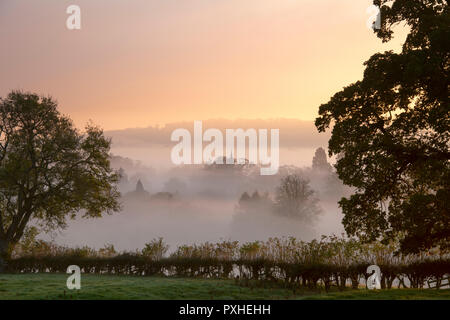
(199, 203)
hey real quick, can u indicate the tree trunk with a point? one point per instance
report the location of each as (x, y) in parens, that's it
(4, 255)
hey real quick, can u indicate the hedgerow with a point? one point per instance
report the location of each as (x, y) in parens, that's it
(332, 261)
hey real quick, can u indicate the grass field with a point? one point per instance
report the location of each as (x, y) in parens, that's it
(53, 286)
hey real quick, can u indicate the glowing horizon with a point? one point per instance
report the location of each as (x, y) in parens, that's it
(141, 63)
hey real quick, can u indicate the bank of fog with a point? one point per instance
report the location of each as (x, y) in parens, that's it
(193, 204)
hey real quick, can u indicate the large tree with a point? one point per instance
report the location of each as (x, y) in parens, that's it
(391, 132)
(49, 171)
(295, 199)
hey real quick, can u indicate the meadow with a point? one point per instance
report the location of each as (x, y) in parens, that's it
(106, 287)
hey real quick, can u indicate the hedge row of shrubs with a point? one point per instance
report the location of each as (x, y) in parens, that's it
(291, 274)
(331, 261)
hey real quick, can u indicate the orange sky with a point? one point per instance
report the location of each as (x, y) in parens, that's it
(143, 62)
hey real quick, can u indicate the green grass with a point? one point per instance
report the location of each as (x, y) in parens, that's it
(93, 287)
(392, 294)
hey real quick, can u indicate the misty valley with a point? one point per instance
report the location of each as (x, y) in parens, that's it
(199, 203)
(218, 150)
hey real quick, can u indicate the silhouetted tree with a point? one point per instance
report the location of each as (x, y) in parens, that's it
(320, 161)
(392, 129)
(48, 169)
(256, 196)
(244, 198)
(139, 187)
(254, 203)
(295, 199)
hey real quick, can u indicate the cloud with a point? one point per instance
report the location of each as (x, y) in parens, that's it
(293, 133)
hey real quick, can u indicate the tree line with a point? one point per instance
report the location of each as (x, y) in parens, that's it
(329, 262)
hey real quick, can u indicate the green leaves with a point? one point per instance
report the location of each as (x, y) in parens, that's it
(391, 130)
(48, 169)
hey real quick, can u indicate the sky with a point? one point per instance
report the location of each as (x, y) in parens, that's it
(140, 68)
(140, 63)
